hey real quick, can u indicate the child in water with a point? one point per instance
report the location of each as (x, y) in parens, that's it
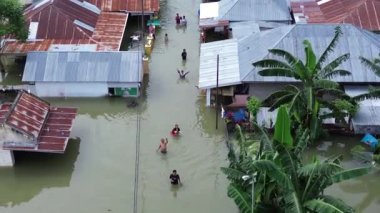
(175, 130)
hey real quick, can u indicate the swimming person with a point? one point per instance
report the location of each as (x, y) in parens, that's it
(174, 178)
(182, 74)
(184, 54)
(175, 130)
(163, 146)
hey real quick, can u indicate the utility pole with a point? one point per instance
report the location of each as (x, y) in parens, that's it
(217, 92)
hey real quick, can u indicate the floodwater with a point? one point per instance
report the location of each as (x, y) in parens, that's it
(97, 172)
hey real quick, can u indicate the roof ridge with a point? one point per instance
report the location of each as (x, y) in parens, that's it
(291, 27)
(232, 6)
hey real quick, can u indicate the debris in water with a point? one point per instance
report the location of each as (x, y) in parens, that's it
(132, 104)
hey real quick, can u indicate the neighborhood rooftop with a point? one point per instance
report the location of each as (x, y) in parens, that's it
(131, 6)
(362, 13)
(124, 66)
(69, 22)
(236, 62)
(47, 128)
(246, 10)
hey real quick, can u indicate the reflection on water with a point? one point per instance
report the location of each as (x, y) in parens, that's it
(13, 74)
(361, 193)
(34, 172)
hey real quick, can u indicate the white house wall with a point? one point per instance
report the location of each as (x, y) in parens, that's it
(82, 89)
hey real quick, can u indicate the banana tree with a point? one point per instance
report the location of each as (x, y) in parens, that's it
(314, 76)
(283, 181)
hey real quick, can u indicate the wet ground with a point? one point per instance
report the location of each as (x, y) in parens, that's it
(97, 172)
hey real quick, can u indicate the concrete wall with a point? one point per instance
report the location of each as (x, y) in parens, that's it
(6, 157)
(54, 89)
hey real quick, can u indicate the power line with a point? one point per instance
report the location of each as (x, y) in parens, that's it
(137, 163)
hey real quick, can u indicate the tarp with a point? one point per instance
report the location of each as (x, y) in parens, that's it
(239, 116)
(154, 22)
(370, 140)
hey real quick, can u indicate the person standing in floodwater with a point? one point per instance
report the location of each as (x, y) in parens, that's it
(177, 19)
(174, 178)
(184, 54)
(163, 147)
(166, 37)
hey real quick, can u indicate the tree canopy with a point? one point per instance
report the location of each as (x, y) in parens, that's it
(12, 19)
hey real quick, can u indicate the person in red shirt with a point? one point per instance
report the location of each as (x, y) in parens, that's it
(177, 19)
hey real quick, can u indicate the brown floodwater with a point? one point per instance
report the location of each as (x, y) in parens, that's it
(97, 172)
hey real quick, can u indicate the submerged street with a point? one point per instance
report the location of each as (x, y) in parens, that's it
(97, 172)
(112, 140)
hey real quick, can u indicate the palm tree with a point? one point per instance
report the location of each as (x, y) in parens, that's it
(305, 101)
(284, 183)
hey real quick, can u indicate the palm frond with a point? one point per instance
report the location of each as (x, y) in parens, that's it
(325, 84)
(268, 101)
(329, 68)
(330, 48)
(281, 101)
(240, 197)
(334, 73)
(233, 174)
(319, 205)
(311, 59)
(320, 169)
(285, 72)
(295, 63)
(292, 203)
(371, 65)
(335, 92)
(271, 63)
(349, 174)
(338, 203)
(292, 60)
(373, 93)
(273, 171)
(302, 141)
(265, 141)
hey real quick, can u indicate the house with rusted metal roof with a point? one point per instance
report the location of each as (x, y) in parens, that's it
(362, 13)
(32, 124)
(134, 7)
(69, 25)
(84, 73)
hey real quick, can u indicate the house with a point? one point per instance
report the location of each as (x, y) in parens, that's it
(73, 23)
(32, 124)
(265, 13)
(236, 56)
(362, 13)
(130, 6)
(84, 74)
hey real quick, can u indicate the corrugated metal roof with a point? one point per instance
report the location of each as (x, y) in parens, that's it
(28, 114)
(254, 10)
(367, 116)
(355, 41)
(50, 127)
(228, 63)
(108, 35)
(134, 6)
(243, 28)
(56, 19)
(362, 13)
(255, 47)
(83, 67)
